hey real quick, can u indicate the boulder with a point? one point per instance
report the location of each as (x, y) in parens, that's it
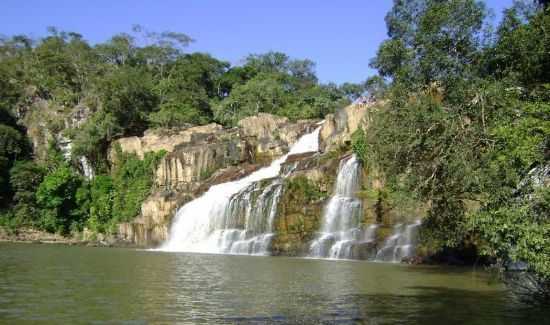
(340, 126)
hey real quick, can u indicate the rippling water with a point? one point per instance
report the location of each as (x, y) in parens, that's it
(66, 285)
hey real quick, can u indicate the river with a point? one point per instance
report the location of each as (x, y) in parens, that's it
(67, 284)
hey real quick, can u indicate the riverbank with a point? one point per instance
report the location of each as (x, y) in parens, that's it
(29, 235)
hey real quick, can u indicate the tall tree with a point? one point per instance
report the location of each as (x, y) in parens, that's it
(431, 41)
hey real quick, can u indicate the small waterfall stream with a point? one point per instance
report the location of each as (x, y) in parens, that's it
(400, 244)
(235, 217)
(341, 235)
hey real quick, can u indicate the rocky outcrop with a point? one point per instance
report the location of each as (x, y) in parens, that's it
(340, 126)
(183, 168)
(199, 157)
(46, 121)
(167, 140)
(272, 134)
(150, 228)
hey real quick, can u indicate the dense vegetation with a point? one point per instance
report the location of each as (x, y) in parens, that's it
(465, 126)
(91, 95)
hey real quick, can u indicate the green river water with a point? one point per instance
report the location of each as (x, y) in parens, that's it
(55, 284)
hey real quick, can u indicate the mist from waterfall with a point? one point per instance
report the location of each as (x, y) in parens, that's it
(401, 244)
(235, 217)
(342, 235)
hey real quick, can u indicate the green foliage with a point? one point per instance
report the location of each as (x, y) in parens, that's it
(13, 146)
(127, 94)
(93, 138)
(100, 195)
(132, 182)
(302, 190)
(260, 94)
(516, 232)
(376, 87)
(521, 52)
(56, 196)
(316, 102)
(174, 114)
(109, 199)
(431, 41)
(25, 177)
(464, 125)
(10, 149)
(359, 145)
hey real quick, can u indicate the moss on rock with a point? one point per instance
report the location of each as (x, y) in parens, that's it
(301, 206)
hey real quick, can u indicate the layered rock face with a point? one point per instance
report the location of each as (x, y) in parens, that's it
(199, 157)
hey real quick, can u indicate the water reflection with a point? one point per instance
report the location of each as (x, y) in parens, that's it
(58, 284)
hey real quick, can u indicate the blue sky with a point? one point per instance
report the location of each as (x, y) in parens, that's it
(340, 36)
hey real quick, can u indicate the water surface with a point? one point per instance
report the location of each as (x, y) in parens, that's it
(65, 285)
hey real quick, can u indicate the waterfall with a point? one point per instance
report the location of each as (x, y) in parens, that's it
(341, 235)
(235, 217)
(400, 244)
(87, 168)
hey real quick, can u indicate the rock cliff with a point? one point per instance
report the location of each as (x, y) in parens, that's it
(199, 157)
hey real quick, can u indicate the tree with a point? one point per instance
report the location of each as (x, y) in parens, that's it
(97, 202)
(521, 50)
(376, 87)
(132, 181)
(127, 93)
(119, 50)
(186, 94)
(13, 146)
(272, 63)
(56, 196)
(25, 177)
(92, 139)
(431, 41)
(257, 95)
(352, 90)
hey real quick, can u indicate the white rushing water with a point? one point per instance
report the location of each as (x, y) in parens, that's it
(235, 217)
(400, 244)
(341, 235)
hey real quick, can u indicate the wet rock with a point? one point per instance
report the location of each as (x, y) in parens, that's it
(364, 250)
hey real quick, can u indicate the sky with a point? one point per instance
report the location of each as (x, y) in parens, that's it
(340, 36)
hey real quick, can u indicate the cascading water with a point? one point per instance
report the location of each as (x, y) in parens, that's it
(235, 217)
(401, 244)
(341, 235)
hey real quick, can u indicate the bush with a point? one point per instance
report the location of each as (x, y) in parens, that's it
(56, 196)
(132, 182)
